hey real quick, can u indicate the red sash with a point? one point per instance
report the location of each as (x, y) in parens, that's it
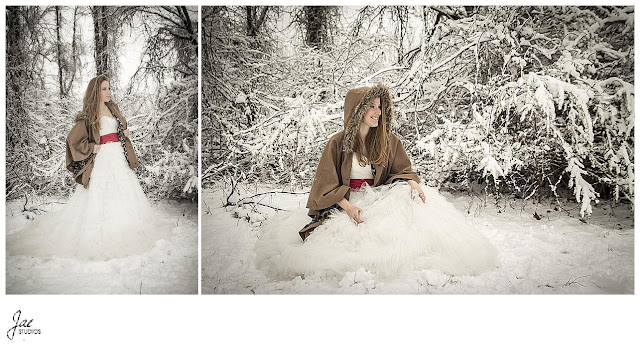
(357, 183)
(113, 137)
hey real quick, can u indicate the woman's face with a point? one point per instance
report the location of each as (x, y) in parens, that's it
(105, 92)
(374, 111)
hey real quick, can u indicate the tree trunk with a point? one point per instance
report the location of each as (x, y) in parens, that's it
(74, 52)
(255, 18)
(16, 64)
(250, 10)
(470, 10)
(402, 18)
(316, 21)
(59, 53)
(100, 39)
(188, 26)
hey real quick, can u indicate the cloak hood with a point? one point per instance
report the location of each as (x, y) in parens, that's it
(355, 107)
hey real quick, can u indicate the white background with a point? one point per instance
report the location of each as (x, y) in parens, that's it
(294, 321)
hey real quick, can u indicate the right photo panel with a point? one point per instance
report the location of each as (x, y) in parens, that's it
(417, 150)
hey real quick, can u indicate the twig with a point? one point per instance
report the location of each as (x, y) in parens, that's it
(208, 207)
(273, 192)
(445, 282)
(44, 203)
(570, 282)
(265, 205)
(434, 69)
(383, 70)
(233, 188)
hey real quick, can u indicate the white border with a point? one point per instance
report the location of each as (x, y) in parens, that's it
(141, 322)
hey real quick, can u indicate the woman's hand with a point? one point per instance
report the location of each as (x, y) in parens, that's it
(415, 189)
(96, 148)
(126, 132)
(352, 210)
(354, 213)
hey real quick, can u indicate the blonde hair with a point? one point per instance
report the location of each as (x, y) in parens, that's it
(91, 101)
(376, 141)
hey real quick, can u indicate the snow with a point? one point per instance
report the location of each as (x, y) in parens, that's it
(558, 254)
(171, 267)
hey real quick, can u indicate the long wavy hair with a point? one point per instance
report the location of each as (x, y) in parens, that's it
(91, 101)
(376, 142)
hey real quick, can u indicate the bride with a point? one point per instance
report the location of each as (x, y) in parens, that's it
(369, 210)
(108, 216)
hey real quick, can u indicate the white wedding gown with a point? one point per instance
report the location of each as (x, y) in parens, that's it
(110, 219)
(398, 235)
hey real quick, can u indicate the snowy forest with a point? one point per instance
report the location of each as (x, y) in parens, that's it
(151, 56)
(506, 103)
(521, 117)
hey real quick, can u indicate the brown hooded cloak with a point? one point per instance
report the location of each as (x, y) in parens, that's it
(331, 182)
(83, 137)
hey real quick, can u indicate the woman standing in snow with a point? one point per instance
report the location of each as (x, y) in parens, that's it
(108, 216)
(388, 225)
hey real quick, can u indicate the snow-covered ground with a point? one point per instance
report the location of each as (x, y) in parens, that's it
(558, 254)
(171, 267)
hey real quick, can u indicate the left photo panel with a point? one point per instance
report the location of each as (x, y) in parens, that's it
(101, 150)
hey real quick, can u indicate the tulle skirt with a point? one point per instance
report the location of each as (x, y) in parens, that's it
(111, 218)
(398, 235)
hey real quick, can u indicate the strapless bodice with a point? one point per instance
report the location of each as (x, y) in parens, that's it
(358, 171)
(108, 125)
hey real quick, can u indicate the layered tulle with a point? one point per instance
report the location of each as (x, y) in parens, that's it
(398, 235)
(111, 218)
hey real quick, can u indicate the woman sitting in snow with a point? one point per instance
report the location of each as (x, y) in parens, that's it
(344, 164)
(386, 224)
